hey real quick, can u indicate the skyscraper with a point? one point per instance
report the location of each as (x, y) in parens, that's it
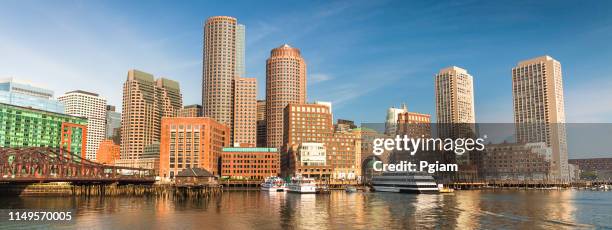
(93, 107)
(168, 97)
(454, 96)
(223, 64)
(455, 114)
(25, 94)
(245, 111)
(539, 111)
(261, 123)
(145, 102)
(220, 68)
(285, 84)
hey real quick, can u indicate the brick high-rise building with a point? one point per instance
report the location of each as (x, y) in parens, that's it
(245, 111)
(539, 111)
(285, 84)
(93, 107)
(312, 123)
(261, 123)
(145, 102)
(191, 142)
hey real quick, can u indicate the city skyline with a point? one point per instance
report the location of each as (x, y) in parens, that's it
(316, 114)
(408, 76)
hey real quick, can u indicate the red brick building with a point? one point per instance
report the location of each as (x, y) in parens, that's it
(249, 163)
(108, 152)
(191, 142)
(307, 124)
(415, 125)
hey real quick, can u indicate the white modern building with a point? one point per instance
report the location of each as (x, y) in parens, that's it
(93, 107)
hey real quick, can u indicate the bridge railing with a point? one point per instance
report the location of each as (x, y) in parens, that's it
(46, 163)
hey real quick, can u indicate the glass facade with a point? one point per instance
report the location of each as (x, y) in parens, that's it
(113, 121)
(24, 95)
(27, 127)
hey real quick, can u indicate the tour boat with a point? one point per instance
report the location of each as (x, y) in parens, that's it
(405, 182)
(302, 185)
(273, 184)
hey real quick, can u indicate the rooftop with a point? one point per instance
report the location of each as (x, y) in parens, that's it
(537, 60)
(249, 149)
(194, 172)
(453, 69)
(42, 111)
(83, 92)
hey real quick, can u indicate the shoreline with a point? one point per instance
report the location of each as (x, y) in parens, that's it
(71, 190)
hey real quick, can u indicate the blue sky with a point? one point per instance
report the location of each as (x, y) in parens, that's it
(364, 56)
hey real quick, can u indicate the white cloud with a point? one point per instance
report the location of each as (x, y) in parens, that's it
(318, 78)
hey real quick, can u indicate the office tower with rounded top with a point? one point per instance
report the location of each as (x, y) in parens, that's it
(285, 84)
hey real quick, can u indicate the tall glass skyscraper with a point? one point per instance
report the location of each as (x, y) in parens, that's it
(26, 95)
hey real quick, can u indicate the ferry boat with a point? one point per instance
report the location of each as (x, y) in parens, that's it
(405, 182)
(302, 185)
(273, 184)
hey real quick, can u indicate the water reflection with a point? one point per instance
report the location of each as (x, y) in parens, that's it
(523, 209)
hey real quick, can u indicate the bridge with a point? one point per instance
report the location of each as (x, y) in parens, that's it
(44, 164)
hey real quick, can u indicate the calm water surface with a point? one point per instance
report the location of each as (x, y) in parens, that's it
(533, 209)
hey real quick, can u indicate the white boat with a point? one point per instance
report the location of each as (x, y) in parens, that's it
(273, 184)
(405, 182)
(302, 185)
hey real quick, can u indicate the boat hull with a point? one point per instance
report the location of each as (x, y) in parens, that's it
(273, 189)
(302, 190)
(406, 190)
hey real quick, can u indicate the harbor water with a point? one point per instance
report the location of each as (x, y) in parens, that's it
(489, 209)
